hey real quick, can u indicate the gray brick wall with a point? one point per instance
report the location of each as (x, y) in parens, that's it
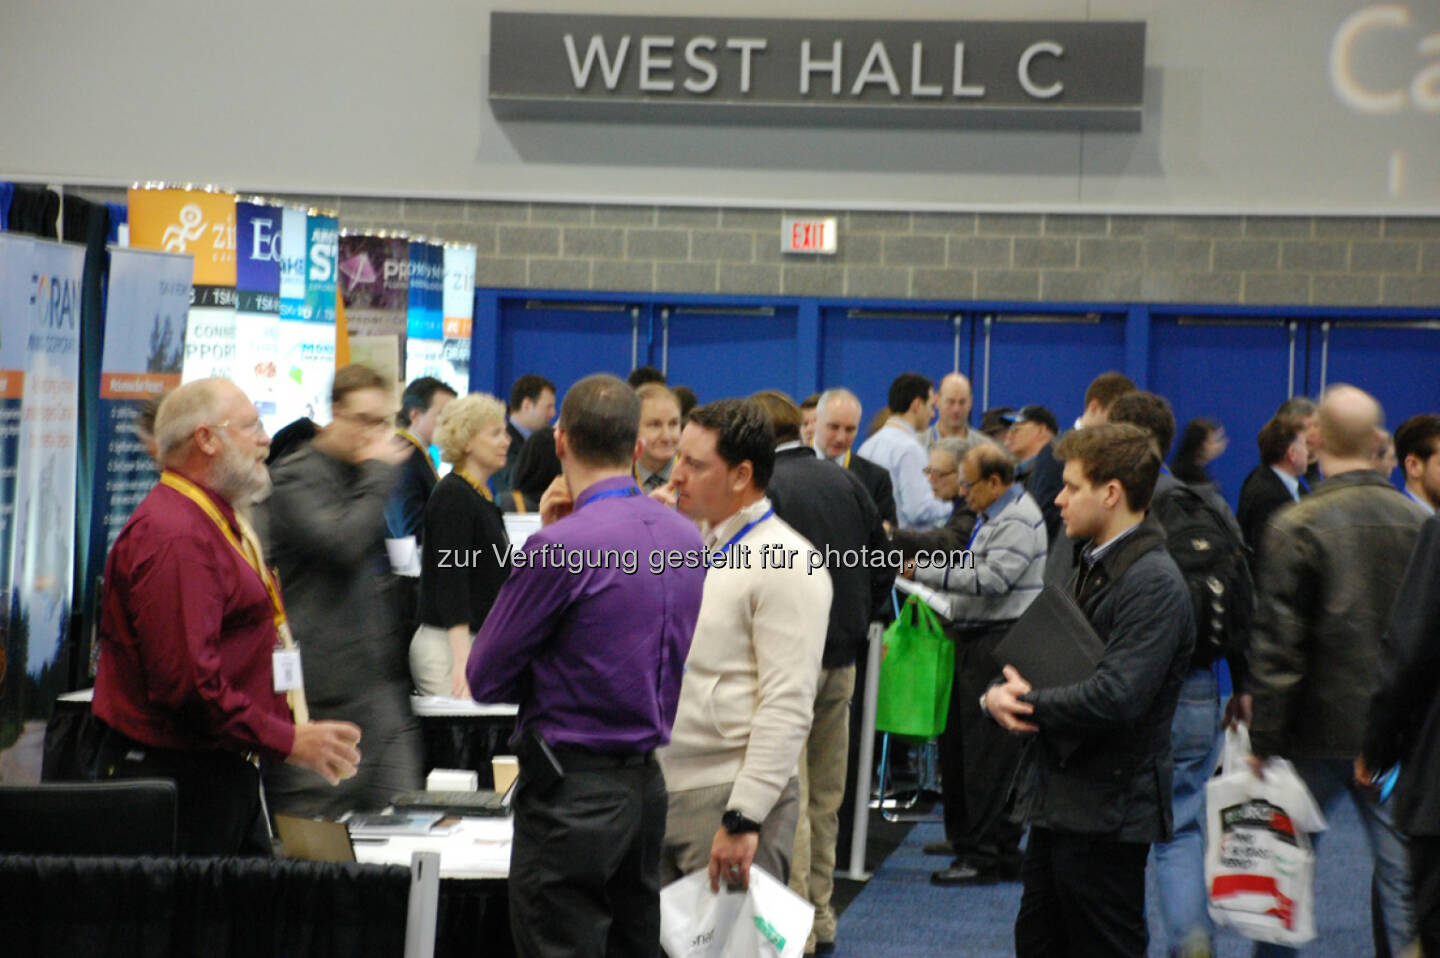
(1320, 261)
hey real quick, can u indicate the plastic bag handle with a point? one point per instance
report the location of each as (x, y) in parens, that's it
(1236, 753)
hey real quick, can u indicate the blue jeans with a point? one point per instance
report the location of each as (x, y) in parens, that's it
(1330, 779)
(1195, 740)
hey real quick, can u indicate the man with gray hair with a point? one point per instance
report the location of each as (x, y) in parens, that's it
(837, 420)
(190, 620)
(1001, 576)
(1331, 568)
(948, 484)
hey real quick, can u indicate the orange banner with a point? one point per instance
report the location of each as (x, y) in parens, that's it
(458, 327)
(196, 222)
(136, 385)
(12, 383)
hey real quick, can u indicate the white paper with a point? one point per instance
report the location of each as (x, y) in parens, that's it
(927, 595)
(404, 556)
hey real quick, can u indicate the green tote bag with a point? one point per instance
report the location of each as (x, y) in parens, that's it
(915, 674)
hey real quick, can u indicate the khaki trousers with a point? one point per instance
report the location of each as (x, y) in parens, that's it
(694, 818)
(822, 787)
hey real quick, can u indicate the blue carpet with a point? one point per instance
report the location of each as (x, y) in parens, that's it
(900, 914)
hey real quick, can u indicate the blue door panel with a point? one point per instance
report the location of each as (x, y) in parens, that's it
(723, 354)
(563, 343)
(1048, 361)
(865, 353)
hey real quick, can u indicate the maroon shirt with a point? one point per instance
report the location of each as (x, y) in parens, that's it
(187, 632)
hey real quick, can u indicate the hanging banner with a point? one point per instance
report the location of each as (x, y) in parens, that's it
(16, 258)
(425, 324)
(202, 224)
(145, 311)
(307, 345)
(458, 309)
(257, 306)
(40, 577)
(375, 284)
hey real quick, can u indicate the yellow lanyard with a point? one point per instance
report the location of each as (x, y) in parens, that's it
(409, 437)
(519, 500)
(475, 484)
(248, 545)
(846, 463)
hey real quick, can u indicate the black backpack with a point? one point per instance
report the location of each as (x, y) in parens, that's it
(1214, 560)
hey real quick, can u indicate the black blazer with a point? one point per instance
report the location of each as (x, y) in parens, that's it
(1262, 495)
(1404, 723)
(830, 507)
(405, 508)
(876, 480)
(1043, 481)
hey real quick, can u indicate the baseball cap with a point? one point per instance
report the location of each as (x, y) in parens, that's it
(1034, 413)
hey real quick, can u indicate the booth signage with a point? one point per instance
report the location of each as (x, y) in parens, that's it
(809, 236)
(1006, 74)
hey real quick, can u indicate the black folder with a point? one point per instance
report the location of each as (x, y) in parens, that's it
(1052, 643)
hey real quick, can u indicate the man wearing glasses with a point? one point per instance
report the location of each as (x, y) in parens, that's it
(190, 624)
(327, 526)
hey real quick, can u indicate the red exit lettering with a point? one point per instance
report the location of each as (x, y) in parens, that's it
(807, 236)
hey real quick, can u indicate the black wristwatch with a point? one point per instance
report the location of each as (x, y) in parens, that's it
(736, 824)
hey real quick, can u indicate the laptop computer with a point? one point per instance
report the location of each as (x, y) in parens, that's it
(472, 804)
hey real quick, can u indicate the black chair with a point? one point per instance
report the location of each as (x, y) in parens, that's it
(129, 817)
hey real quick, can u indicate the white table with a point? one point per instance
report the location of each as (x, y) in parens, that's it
(475, 849)
(443, 706)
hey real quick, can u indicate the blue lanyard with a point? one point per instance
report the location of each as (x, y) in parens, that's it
(748, 526)
(611, 494)
(974, 532)
(1300, 481)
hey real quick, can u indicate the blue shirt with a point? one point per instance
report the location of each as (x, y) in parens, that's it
(1292, 483)
(585, 636)
(896, 447)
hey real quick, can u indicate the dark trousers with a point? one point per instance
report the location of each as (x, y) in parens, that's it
(217, 794)
(1083, 896)
(1425, 883)
(978, 760)
(585, 865)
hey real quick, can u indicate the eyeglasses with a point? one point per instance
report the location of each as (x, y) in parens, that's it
(363, 421)
(254, 427)
(938, 474)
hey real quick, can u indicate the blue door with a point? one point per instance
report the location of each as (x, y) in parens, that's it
(725, 352)
(1237, 372)
(863, 350)
(567, 341)
(1045, 359)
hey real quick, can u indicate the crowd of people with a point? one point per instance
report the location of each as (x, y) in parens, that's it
(693, 710)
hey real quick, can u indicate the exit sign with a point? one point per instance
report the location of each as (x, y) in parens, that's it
(809, 236)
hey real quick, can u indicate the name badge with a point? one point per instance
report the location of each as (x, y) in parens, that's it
(287, 670)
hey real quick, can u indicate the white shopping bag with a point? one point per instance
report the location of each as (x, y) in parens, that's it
(1259, 865)
(768, 921)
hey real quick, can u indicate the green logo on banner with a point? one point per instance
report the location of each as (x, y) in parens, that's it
(771, 935)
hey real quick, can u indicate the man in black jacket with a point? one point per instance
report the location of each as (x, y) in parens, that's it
(1278, 481)
(837, 420)
(1404, 725)
(1094, 779)
(831, 508)
(1031, 440)
(1329, 578)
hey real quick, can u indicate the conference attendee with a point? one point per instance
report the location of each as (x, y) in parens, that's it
(1330, 575)
(1278, 481)
(837, 419)
(995, 422)
(1196, 730)
(659, 435)
(1031, 440)
(327, 526)
(593, 654)
(688, 401)
(420, 408)
(896, 448)
(1202, 441)
(830, 508)
(1094, 778)
(291, 438)
(807, 424)
(185, 685)
(1417, 448)
(1383, 457)
(532, 406)
(467, 553)
(748, 695)
(953, 401)
(1403, 723)
(535, 469)
(1103, 390)
(947, 481)
(1304, 409)
(645, 374)
(983, 597)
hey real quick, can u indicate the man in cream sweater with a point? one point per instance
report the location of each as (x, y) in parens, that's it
(748, 695)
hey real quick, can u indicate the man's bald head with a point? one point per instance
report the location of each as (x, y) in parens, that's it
(954, 399)
(209, 431)
(1349, 420)
(188, 408)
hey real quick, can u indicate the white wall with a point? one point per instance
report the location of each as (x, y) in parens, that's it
(371, 98)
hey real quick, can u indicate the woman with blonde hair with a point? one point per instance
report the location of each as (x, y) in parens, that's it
(465, 542)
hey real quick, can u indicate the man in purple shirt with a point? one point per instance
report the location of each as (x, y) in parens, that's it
(589, 635)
